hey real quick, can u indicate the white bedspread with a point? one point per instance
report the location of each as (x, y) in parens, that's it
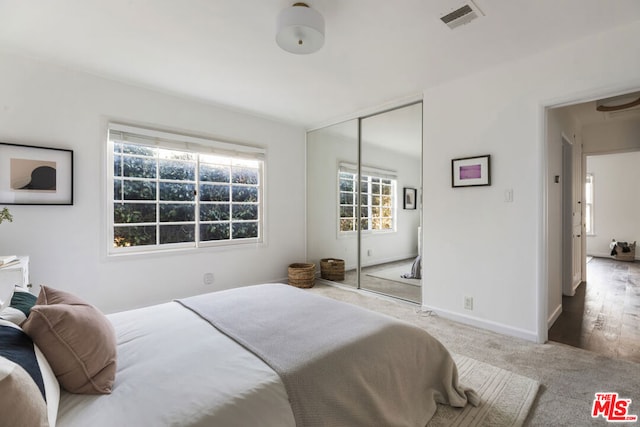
(341, 365)
(174, 369)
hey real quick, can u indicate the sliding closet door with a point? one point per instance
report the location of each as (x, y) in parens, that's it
(390, 202)
(332, 198)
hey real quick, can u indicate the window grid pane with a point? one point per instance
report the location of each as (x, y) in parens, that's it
(163, 197)
(347, 195)
(376, 202)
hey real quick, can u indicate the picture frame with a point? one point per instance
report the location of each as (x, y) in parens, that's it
(409, 198)
(32, 175)
(471, 171)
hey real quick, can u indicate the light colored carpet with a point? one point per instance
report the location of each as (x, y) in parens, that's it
(395, 274)
(569, 377)
(506, 397)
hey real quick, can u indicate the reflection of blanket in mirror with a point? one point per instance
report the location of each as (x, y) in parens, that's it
(416, 269)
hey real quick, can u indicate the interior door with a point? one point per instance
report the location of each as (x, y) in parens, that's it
(572, 219)
(578, 230)
(576, 267)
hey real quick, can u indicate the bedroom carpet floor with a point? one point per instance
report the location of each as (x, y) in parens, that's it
(387, 287)
(569, 376)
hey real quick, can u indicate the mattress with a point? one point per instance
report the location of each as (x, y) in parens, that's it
(175, 369)
(268, 355)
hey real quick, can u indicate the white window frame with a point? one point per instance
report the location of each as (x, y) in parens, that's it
(589, 204)
(188, 144)
(369, 173)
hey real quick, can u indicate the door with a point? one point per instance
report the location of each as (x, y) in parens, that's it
(390, 202)
(571, 219)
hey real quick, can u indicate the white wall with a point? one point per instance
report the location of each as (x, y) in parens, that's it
(608, 137)
(46, 105)
(616, 200)
(403, 244)
(475, 244)
(328, 147)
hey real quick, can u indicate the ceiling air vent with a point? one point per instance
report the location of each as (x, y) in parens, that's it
(462, 15)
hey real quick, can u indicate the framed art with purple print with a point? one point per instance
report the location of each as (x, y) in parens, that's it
(471, 171)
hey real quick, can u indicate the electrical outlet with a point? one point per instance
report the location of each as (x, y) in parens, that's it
(208, 279)
(369, 252)
(468, 303)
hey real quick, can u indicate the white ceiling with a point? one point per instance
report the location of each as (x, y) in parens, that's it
(587, 114)
(223, 51)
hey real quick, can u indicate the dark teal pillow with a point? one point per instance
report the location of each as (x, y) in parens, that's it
(23, 301)
(16, 346)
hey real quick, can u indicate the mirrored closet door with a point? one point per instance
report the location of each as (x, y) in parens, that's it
(331, 204)
(364, 183)
(391, 180)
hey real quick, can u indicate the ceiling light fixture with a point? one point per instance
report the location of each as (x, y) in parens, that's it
(300, 29)
(617, 103)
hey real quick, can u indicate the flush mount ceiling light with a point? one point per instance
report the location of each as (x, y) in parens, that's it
(300, 29)
(617, 103)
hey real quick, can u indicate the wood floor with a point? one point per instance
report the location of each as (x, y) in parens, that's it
(604, 315)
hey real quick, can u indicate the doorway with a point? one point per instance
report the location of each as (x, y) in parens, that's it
(602, 314)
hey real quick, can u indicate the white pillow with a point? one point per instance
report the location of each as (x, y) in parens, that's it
(10, 313)
(51, 385)
(6, 291)
(13, 315)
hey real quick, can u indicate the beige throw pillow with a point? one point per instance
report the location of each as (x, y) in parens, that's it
(76, 338)
(21, 403)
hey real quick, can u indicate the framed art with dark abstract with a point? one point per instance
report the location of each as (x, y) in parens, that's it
(31, 175)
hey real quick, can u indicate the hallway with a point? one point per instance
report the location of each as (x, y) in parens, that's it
(604, 314)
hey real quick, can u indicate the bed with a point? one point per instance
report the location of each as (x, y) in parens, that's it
(266, 355)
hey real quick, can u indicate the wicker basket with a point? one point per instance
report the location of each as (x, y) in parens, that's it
(302, 275)
(332, 269)
(626, 256)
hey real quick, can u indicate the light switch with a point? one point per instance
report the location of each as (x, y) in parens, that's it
(508, 195)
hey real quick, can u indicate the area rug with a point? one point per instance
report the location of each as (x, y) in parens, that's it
(395, 274)
(506, 397)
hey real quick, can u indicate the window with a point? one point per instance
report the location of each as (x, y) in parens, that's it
(377, 200)
(588, 205)
(170, 191)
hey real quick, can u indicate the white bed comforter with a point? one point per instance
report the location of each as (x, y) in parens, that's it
(174, 369)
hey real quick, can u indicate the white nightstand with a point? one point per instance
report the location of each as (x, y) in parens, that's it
(16, 274)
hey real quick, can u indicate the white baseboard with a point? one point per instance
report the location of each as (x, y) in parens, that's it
(600, 254)
(554, 316)
(484, 324)
(576, 285)
(378, 261)
(608, 255)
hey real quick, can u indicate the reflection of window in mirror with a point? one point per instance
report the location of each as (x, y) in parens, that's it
(377, 200)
